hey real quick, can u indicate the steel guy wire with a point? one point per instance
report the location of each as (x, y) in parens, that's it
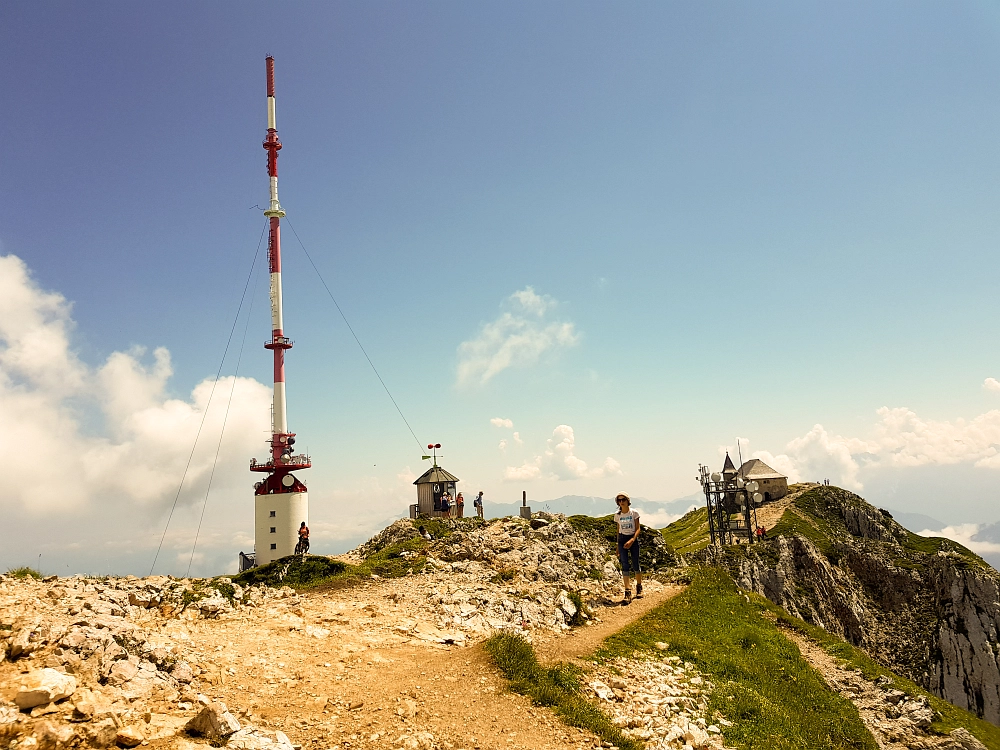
(218, 375)
(351, 329)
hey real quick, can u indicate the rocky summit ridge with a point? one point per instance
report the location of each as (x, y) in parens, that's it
(165, 662)
(374, 650)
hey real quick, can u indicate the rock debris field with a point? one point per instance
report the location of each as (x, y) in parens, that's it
(164, 662)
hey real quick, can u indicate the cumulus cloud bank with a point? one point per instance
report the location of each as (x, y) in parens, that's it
(900, 439)
(108, 435)
(519, 337)
(559, 461)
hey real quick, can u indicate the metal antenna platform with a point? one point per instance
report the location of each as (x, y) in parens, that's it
(732, 507)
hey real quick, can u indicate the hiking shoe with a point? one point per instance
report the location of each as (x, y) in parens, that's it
(638, 591)
(628, 599)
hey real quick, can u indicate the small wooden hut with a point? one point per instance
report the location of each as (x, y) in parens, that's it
(431, 485)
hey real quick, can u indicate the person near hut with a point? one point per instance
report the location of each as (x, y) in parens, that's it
(460, 506)
(446, 504)
(628, 547)
(478, 503)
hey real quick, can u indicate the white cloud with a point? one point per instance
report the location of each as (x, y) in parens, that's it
(659, 518)
(136, 450)
(517, 338)
(900, 439)
(503, 445)
(533, 303)
(501, 422)
(965, 535)
(559, 461)
(991, 384)
(819, 455)
(517, 438)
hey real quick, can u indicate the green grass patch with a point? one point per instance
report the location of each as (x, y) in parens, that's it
(292, 571)
(393, 561)
(578, 618)
(949, 716)
(557, 687)
(316, 571)
(774, 698)
(792, 524)
(189, 597)
(440, 528)
(227, 590)
(504, 575)
(689, 533)
(24, 572)
(931, 545)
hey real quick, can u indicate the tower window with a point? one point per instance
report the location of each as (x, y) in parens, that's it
(272, 514)
(274, 546)
(273, 530)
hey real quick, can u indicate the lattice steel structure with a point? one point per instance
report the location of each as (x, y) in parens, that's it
(731, 503)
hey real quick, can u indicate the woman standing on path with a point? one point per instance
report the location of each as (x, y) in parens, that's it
(460, 505)
(628, 547)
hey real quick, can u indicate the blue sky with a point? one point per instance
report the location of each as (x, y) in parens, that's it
(682, 222)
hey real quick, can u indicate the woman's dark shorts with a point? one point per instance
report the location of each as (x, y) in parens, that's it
(629, 558)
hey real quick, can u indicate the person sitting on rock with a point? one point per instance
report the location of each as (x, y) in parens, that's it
(628, 546)
(303, 546)
(425, 533)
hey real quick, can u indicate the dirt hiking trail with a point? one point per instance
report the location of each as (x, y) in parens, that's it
(580, 642)
(364, 684)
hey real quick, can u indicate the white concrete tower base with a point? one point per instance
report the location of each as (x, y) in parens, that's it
(276, 524)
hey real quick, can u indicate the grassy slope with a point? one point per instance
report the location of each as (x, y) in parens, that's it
(774, 698)
(688, 534)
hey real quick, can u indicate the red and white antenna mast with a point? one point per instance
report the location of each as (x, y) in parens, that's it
(281, 503)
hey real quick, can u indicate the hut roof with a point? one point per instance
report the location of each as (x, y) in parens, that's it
(436, 475)
(757, 469)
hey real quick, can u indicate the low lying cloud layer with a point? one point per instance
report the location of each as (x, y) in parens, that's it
(559, 461)
(899, 439)
(110, 441)
(519, 337)
(968, 535)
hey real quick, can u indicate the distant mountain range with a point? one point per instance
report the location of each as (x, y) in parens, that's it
(916, 522)
(657, 513)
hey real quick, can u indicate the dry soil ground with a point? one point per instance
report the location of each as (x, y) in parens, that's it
(333, 670)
